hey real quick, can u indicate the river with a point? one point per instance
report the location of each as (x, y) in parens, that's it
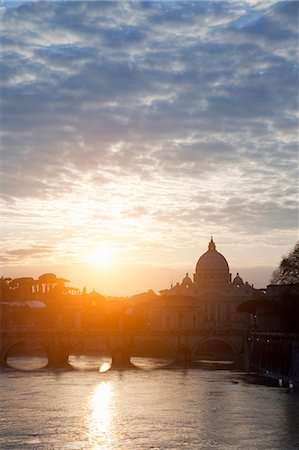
(140, 409)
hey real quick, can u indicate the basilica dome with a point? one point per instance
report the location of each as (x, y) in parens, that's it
(212, 268)
(237, 281)
(187, 282)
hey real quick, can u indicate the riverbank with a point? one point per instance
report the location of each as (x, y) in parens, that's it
(275, 356)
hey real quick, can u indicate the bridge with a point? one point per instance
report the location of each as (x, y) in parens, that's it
(183, 346)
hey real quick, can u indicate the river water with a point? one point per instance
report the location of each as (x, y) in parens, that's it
(144, 409)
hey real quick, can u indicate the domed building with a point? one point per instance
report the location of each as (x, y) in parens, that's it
(209, 301)
(212, 269)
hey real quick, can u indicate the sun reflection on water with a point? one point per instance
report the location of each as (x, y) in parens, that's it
(100, 417)
(104, 367)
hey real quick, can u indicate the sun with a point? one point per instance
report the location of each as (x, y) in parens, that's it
(103, 256)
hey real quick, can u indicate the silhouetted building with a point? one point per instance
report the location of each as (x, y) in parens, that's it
(210, 300)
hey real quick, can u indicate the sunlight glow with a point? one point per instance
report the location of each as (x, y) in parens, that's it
(100, 415)
(103, 256)
(104, 367)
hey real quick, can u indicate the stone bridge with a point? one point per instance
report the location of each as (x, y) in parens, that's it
(184, 346)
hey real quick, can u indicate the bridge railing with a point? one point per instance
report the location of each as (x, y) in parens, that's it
(154, 332)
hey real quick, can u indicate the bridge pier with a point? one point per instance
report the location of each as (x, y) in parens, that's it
(120, 359)
(3, 362)
(58, 361)
(246, 355)
(120, 349)
(183, 357)
(58, 354)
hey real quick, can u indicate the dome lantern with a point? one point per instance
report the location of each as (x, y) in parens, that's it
(212, 245)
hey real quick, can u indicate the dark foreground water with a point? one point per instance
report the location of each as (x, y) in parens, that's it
(144, 409)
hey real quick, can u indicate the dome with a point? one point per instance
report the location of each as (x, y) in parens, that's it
(187, 282)
(237, 281)
(212, 268)
(212, 260)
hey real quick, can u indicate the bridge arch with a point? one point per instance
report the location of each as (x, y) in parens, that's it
(90, 353)
(24, 348)
(152, 352)
(215, 348)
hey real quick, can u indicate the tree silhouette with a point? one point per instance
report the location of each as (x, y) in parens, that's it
(288, 270)
(5, 290)
(21, 288)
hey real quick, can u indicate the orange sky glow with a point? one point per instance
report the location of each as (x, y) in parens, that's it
(131, 139)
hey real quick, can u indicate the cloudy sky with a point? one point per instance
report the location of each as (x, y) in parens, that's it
(132, 131)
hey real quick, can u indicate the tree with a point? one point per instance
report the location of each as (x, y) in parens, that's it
(288, 270)
(5, 290)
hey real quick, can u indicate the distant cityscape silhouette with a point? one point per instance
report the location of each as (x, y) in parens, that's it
(211, 318)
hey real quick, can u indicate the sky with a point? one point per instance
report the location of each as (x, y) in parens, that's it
(133, 131)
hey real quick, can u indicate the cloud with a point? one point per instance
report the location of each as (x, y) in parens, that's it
(161, 110)
(21, 254)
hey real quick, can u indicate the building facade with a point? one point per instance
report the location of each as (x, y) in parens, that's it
(208, 301)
